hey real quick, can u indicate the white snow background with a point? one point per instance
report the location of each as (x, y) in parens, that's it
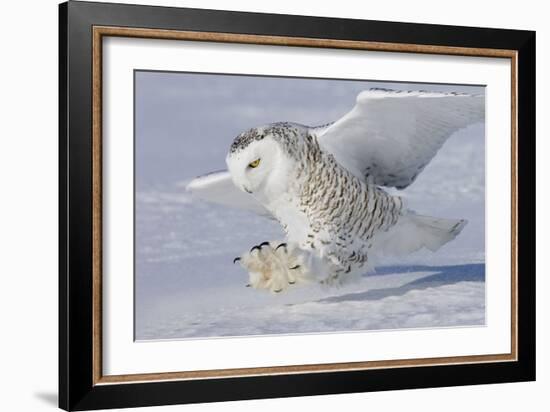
(185, 283)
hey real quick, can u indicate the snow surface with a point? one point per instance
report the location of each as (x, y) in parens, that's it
(186, 284)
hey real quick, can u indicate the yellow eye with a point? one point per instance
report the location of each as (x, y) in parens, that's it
(254, 164)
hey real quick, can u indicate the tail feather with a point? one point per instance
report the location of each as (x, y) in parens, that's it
(413, 232)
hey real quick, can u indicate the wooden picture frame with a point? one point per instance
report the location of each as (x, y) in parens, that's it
(82, 384)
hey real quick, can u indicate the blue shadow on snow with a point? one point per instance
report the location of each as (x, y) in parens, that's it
(445, 275)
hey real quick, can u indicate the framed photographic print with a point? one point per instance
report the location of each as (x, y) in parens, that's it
(257, 205)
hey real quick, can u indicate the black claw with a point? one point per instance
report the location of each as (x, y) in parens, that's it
(295, 267)
(247, 285)
(254, 247)
(281, 245)
(277, 291)
(236, 260)
(263, 244)
(291, 283)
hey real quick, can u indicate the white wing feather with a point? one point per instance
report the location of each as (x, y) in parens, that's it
(390, 136)
(217, 187)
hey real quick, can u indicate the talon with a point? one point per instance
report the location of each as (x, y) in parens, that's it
(236, 260)
(247, 285)
(254, 247)
(277, 291)
(263, 244)
(295, 267)
(281, 245)
(291, 283)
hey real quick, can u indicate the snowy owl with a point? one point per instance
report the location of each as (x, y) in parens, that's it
(325, 185)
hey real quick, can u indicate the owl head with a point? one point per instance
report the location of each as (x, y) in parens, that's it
(260, 160)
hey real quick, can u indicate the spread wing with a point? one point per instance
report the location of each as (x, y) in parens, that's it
(217, 187)
(390, 135)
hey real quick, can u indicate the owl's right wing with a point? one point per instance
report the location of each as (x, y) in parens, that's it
(217, 187)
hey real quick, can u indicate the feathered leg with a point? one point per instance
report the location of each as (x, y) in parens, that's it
(275, 266)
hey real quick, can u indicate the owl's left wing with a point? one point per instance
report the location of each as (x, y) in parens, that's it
(391, 135)
(217, 187)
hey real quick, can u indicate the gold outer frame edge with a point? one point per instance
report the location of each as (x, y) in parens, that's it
(100, 31)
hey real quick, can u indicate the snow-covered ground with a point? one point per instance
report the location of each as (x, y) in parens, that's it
(186, 284)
